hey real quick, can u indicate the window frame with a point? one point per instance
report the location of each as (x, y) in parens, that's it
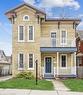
(33, 62)
(61, 61)
(53, 38)
(19, 60)
(19, 33)
(63, 44)
(33, 34)
(24, 18)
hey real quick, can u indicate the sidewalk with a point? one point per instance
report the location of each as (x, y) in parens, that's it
(36, 92)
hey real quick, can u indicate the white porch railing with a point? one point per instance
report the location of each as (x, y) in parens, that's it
(47, 42)
(62, 71)
(67, 71)
(42, 71)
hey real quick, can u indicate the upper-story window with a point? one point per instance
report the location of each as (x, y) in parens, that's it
(63, 38)
(31, 34)
(53, 39)
(21, 30)
(25, 18)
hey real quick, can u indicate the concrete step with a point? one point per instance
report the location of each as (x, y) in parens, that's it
(48, 76)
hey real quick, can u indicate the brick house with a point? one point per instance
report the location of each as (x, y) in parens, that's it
(50, 41)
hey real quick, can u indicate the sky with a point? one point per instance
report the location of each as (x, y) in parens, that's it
(53, 8)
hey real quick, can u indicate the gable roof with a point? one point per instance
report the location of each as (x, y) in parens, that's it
(4, 59)
(28, 5)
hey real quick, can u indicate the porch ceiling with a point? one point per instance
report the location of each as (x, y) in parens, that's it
(58, 49)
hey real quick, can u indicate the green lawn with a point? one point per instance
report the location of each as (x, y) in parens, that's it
(74, 84)
(27, 84)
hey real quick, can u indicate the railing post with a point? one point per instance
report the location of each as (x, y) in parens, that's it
(57, 64)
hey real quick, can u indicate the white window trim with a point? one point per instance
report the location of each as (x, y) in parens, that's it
(19, 35)
(24, 18)
(61, 61)
(51, 38)
(33, 34)
(61, 37)
(33, 62)
(23, 60)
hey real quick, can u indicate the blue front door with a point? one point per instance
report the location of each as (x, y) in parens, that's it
(48, 61)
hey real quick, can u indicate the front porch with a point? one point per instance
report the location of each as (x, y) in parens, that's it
(57, 65)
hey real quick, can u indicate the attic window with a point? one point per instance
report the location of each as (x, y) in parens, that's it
(25, 18)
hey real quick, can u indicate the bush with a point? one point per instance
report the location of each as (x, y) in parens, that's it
(25, 75)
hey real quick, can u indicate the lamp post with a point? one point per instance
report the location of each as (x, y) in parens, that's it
(36, 62)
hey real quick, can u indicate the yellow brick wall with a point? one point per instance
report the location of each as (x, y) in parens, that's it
(26, 47)
(51, 26)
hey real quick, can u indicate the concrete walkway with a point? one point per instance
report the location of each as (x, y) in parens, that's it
(59, 86)
(4, 78)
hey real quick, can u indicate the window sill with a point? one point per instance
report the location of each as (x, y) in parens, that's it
(20, 41)
(31, 41)
(20, 69)
(30, 68)
(63, 67)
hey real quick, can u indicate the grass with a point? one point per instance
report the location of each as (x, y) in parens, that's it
(74, 84)
(27, 84)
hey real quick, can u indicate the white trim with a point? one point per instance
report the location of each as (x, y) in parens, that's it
(33, 33)
(75, 62)
(52, 38)
(51, 65)
(57, 63)
(23, 34)
(23, 60)
(24, 18)
(63, 44)
(61, 61)
(33, 61)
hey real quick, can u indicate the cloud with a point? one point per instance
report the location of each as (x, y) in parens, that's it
(56, 3)
(80, 26)
(80, 15)
(6, 46)
(6, 27)
(29, 1)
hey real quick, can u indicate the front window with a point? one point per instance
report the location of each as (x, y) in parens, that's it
(31, 61)
(63, 37)
(21, 33)
(31, 33)
(63, 60)
(53, 39)
(21, 61)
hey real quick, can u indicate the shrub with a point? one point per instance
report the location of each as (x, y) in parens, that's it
(25, 75)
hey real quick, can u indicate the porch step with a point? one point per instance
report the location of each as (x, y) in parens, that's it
(49, 76)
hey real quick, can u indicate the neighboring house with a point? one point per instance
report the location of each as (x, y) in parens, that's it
(79, 59)
(48, 40)
(5, 64)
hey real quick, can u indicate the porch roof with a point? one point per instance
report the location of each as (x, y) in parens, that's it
(58, 49)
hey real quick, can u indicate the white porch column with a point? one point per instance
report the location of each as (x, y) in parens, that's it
(75, 63)
(57, 63)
